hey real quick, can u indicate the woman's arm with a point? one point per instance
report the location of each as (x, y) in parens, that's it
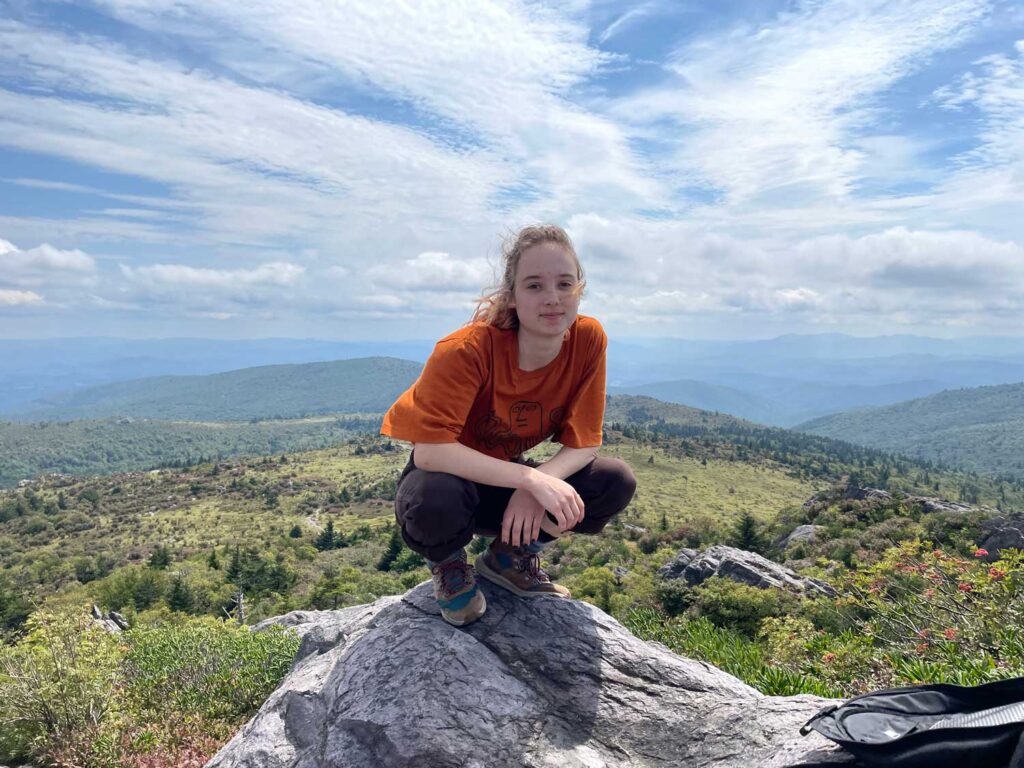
(568, 461)
(537, 489)
(462, 461)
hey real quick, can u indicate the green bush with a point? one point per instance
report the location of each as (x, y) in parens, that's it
(737, 606)
(159, 696)
(674, 596)
(58, 681)
(204, 666)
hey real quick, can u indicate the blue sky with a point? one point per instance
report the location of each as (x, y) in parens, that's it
(347, 170)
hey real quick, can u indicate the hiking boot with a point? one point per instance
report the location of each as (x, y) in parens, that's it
(518, 571)
(458, 597)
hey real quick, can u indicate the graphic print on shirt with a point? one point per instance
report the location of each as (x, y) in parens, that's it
(524, 429)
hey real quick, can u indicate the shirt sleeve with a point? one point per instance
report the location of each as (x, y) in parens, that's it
(435, 409)
(582, 427)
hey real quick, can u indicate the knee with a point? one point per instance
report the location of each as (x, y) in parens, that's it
(435, 501)
(621, 482)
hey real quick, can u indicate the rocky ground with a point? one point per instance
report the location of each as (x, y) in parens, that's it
(542, 683)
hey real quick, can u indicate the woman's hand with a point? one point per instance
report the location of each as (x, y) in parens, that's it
(525, 510)
(521, 522)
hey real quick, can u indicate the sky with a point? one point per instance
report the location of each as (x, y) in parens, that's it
(348, 170)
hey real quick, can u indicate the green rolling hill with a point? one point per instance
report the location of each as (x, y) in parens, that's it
(363, 385)
(979, 429)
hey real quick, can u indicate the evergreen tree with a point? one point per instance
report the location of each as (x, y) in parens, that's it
(180, 597)
(62, 501)
(213, 562)
(234, 572)
(325, 540)
(295, 532)
(392, 552)
(747, 535)
(160, 557)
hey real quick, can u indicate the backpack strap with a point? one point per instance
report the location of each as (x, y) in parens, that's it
(806, 727)
(1004, 715)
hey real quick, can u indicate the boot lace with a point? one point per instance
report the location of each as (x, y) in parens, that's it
(530, 563)
(454, 576)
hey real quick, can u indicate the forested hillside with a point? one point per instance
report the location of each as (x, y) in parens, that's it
(979, 429)
(362, 385)
(94, 447)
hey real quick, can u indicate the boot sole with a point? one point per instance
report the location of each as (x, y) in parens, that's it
(482, 569)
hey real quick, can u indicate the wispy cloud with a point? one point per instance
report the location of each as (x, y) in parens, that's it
(9, 298)
(289, 161)
(774, 110)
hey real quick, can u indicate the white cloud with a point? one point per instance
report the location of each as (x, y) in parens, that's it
(641, 272)
(498, 75)
(18, 298)
(58, 271)
(775, 110)
(43, 258)
(179, 275)
(991, 175)
(434, 271)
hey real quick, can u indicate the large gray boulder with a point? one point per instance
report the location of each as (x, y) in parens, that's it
(742, 566)
(1001, 533)
(540, 683)
(802, 533)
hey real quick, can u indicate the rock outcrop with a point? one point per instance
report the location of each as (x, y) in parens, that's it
(928, 504)
(742, 566)
(538, 683)
(1001, 533)
(112, 622)
(802, 533)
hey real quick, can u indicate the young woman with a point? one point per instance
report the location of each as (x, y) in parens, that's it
(526, 368)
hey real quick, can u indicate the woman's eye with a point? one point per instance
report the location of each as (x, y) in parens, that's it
(567, 285)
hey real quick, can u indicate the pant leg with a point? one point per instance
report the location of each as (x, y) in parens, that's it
(435, 511)
(606, 486)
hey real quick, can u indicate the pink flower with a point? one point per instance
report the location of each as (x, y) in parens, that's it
(920, 648)
(929, 592)
(996, 575)
(963, 586)
(828, 658)
(922, 633)
(950, 633)
(981, 552)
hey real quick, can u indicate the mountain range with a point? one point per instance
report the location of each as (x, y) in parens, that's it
(782, 381)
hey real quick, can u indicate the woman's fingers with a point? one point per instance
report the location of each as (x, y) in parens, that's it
(535, 527)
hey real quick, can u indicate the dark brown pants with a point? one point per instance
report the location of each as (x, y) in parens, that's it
(439, 512)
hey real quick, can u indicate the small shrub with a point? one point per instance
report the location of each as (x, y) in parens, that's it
(59, 681)
(740, 606)
(213, 669)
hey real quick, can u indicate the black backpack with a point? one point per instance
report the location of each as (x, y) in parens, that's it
(931, 726)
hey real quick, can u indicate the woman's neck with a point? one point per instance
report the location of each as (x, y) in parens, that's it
(537, 352)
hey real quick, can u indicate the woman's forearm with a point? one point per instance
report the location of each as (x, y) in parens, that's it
(462, 461)
(568, 461)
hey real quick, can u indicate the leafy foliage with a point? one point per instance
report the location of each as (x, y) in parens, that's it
(166, 694)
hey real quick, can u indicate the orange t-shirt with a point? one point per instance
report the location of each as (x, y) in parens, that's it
(472, 391)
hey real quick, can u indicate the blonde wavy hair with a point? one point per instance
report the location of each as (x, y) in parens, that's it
(493, 307)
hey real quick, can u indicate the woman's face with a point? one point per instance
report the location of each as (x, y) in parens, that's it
(545, 294)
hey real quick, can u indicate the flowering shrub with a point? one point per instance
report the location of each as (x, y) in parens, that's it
(940, 617)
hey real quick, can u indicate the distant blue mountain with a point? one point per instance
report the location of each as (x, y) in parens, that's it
(780, 381)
